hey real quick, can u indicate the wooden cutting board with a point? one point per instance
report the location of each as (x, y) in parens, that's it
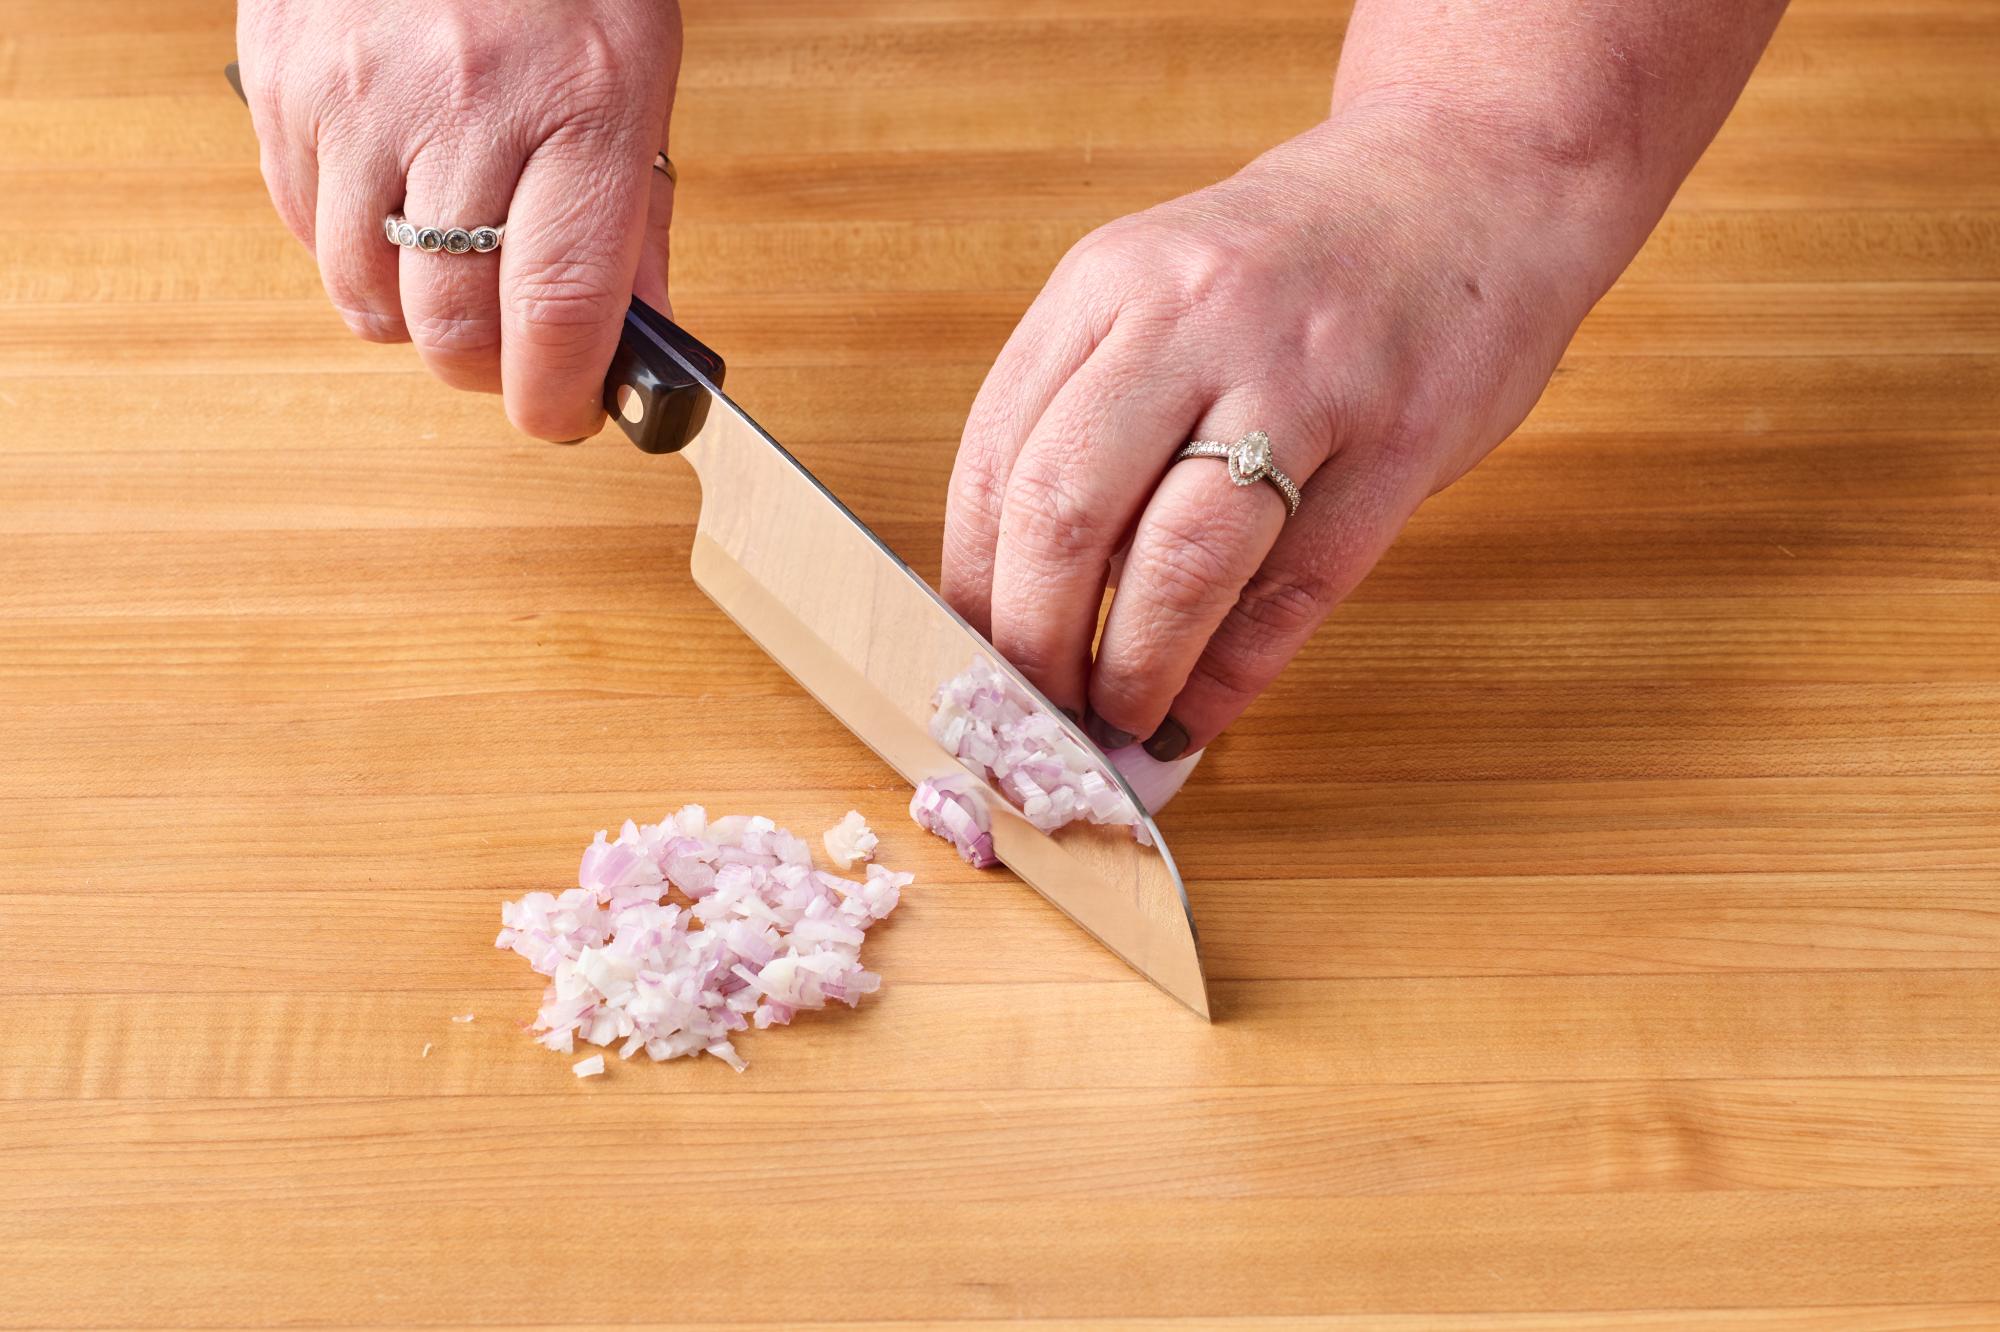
(1604, 915)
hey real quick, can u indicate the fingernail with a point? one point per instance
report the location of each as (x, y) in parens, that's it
(578, 440)
(1072, 714)
(1169, 742)
(1106, 735)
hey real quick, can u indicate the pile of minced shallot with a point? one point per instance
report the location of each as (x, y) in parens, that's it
(991, 725)
(763, 934)
(760, 933)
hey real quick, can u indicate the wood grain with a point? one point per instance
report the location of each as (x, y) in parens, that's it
(1603, 915)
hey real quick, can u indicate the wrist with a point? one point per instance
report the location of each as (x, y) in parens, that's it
(1581, 202)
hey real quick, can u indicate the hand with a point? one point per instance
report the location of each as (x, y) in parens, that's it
(1386, 307)
(467, 113)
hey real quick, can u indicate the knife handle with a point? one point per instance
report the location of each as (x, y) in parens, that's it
(660, 382)
(661, 376)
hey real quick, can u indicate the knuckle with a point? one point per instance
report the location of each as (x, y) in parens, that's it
(1187, 565)
(595, 88)
(465, 71)
(345, 273)
(1204, 273)
(971, 516)
(1272, 619)
(598, 69)
(1107, 259)
(978, 477)
(563, 304)
(372, 325)
(1030, 651)
(1130, 688)
(457, 337)
(1236, 674)
(1051, 517)
(1281, 608)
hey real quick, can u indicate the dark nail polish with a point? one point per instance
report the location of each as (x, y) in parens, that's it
(1072, 714)
(1107, 736)
(1169, 742)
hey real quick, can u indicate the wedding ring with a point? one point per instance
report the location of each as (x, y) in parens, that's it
(449, 240)
(1249, 460)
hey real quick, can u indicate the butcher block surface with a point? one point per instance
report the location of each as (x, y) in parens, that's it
(1602, 917)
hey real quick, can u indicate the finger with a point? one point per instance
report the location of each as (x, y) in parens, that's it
(1077, 487)
(451, 302)
(566, 273)
(1352, 512)
(1054, 338)
(650, 282)
(1199, 542)
(288, 161)
(357, 263)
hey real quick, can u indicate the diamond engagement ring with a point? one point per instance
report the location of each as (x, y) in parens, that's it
(1249, 460)
(452, 240)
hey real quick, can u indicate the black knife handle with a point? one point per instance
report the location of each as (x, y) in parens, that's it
(660, 382)
(661, 375)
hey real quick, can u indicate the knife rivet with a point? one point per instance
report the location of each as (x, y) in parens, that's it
(631, 405)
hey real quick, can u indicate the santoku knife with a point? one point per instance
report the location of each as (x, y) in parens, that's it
(830, 602)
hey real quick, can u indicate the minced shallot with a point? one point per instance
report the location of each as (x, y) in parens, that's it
(763, 935)
(849, 840)
(952, 808)
(989, 723)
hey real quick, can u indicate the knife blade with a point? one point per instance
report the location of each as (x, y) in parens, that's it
(830, 602)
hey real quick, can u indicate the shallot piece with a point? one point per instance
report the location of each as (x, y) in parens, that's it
(588, 1068)
(763, 935)
(849, 840)
(952, 808)
(1154, 782)
(992, 726)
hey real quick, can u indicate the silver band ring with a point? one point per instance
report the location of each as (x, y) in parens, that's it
(450, 240)
(1249, 460)
(399, 230)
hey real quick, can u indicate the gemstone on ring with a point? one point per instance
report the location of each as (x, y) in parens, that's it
(406, 235)
(458, 240)
(1250, 458)
(389, 228)
(430, 240)
(485, 239)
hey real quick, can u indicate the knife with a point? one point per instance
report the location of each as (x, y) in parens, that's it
(830, 602)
